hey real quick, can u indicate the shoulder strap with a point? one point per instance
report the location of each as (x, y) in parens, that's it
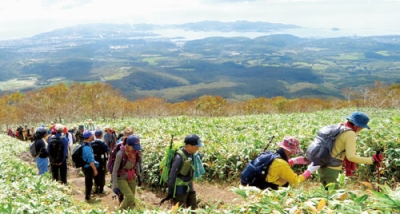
(182, 154)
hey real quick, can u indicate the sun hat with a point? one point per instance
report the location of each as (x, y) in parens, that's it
(359, 119)
(128, 131)
(291, 144)
(59, 127)
(134, 141)
(87, 134)
(194, 140)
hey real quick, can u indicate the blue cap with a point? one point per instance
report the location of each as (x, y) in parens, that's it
(194, 140)
(359, 119)
(98, 133)
(134, 141)
(87, 134)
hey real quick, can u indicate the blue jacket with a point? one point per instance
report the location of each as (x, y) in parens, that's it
(65, 144)
(88, 156)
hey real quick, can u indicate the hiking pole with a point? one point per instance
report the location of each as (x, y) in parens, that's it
(378, 166)
(270, 141)
(172, 140)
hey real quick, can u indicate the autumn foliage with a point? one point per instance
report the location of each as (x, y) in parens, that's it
(99, 101)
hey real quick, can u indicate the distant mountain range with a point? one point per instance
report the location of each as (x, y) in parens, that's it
(140, 62)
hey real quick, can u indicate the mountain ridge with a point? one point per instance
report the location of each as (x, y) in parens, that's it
(142, 63)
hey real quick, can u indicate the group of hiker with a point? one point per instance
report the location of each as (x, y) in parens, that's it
(22, 133)
(122, 156)
(104, 151)
(277, 165)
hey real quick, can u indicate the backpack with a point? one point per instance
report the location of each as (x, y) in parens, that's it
(32, 149)
(100, 154)
(320, 149)
(56, 150)
(256, 170)
(166, 162)
(77, 157)
(111, 160)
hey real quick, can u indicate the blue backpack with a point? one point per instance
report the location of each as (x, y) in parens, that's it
(256, 171)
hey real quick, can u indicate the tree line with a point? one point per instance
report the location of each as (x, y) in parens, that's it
(99, 101)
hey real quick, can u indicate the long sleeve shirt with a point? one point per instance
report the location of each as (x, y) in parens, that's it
(174, 174)
(88, 156)
(128, 166)
(41, 148)
(280, 173)
(346, 142)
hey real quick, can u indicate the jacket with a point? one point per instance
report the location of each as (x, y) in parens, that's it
(346, 142)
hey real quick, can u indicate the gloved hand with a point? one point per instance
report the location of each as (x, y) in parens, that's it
(377, 158)
(298, 160)
(139, 181)
(117, 191)
(169, 196)
(312, 168)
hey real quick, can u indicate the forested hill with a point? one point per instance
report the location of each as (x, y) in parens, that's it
(141, 63)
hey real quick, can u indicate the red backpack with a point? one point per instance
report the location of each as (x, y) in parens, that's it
(111, 159)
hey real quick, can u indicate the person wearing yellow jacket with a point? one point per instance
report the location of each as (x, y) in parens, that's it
(345, 147)
(280, 172)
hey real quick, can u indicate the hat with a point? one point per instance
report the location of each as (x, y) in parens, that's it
(128, 131)
(291, 144)
(90, 121)
(359, 119)
(194, 140)
(41, 132)
(134, 141)
(98, 132)
(58, 127)
(81, 127)
(87, 134)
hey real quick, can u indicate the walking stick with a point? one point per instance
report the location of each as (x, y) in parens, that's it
(378, 170)
(270, 141)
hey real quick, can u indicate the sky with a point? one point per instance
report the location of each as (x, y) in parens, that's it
(24, 18)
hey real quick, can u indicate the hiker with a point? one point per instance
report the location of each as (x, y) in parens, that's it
(90, 126)
(42, 161)
(126, 171)
(280, 173)
(79, 134)
(58, 151)
(26, 132)
(31, 133)
(90, 167)
(10, 132)
(70, 143)
(345, 147)
(100, 151)
(180, 181)
(20, 133)
(110, 165)
(110, 138)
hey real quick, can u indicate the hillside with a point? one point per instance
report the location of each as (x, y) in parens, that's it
(142, 63)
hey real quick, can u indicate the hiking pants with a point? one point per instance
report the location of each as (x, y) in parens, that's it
(187, 200)
(60, 171)
(328, 175)
(100, 179)
(128, 189)
(89, 175)
(42, 165)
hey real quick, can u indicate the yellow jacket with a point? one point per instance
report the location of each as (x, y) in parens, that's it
(346, 141)
(280, 173)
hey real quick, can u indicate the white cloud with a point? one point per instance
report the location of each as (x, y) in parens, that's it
(21, 15)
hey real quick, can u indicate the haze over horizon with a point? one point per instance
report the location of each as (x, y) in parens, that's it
(25, 18)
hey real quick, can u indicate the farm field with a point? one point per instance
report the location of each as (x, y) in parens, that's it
(230, 142)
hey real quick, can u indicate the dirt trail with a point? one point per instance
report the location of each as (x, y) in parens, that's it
(207, 194)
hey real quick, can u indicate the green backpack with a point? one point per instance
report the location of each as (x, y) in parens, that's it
(166, 162)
